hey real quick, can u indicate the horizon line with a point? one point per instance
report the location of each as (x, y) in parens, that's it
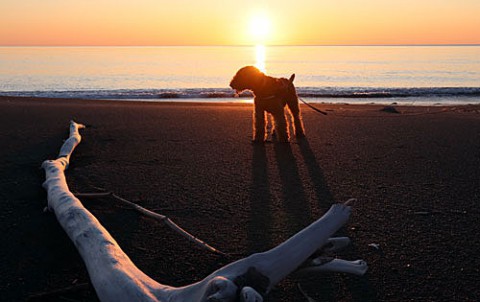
(243, 45)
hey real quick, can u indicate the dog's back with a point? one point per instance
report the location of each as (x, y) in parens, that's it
(285, 90)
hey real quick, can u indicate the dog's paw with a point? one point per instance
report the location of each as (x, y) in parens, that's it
(299, 132)
(257, 141)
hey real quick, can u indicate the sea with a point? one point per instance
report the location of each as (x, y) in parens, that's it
(411, 75)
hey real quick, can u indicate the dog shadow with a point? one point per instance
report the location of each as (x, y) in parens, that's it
(321, 189)
(294, 200)
(295, 203)
(359, 288)
(260, 215)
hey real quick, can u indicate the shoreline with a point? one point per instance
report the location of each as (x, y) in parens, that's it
(415, 174)
(248, 101)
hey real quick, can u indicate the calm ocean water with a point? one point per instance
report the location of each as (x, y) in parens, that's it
(354, 74)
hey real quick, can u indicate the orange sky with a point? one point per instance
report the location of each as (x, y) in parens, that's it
(217, 22)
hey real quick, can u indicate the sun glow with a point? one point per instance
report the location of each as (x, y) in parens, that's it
(260, 27)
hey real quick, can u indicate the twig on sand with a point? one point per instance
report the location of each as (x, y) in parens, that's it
(159, 217)
(46, 295)
(309, 299)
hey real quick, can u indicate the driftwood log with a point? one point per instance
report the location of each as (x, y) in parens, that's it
(116, 278)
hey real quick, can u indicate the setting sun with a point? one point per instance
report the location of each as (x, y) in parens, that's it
(260, 26)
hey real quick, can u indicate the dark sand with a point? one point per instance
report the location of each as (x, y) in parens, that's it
(416, 175)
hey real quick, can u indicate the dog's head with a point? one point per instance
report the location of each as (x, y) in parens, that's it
(247, 78)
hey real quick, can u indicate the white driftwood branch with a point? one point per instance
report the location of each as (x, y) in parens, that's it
(113, 274)
(357, 267)
(116, 278)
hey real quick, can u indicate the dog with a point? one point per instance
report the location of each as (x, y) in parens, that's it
(271, 95)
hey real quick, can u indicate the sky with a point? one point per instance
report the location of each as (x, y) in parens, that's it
(226, 22)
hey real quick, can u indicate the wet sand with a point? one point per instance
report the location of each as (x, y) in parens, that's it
(415, 173)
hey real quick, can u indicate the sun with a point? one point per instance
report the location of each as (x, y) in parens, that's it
(259, 27)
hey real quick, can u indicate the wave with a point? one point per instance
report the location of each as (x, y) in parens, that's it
(389, 92)
(225, 93)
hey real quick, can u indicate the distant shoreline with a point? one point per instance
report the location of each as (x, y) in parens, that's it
(377, 101)
(252, 45)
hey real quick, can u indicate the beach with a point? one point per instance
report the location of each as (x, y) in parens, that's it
(415, 174)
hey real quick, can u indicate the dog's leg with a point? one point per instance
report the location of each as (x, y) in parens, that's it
(292, 102)
(281, 129)
(271, 127)
(298, 126)
(293, 106)
(259, 125)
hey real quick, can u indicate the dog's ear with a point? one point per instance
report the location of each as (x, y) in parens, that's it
(292, 77)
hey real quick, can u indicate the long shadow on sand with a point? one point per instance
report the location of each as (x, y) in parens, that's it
(295, 203)
(260, 213)
(359, 288)
(322, 191)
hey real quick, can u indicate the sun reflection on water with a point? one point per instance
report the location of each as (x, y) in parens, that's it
(245, 101)
(260, 57)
